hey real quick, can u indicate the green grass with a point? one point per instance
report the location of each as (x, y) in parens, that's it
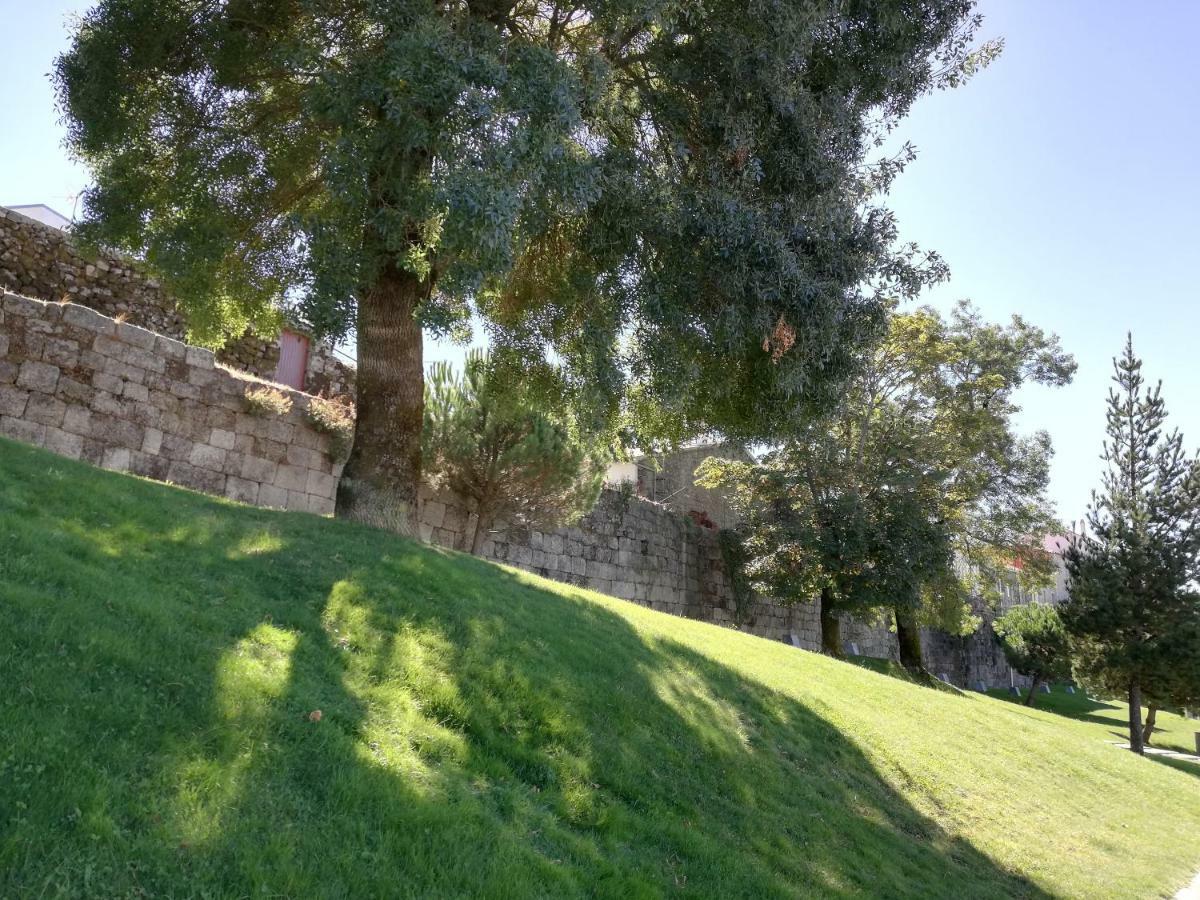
(488, 733)
(1110, 718)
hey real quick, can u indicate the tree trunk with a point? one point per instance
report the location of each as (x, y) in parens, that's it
(1148, 728)
(831, 626)
(1032, 689)
(908, 637)
(380, 484)
(1135, 717)
(482, 524)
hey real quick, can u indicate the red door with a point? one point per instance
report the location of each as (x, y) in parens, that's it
(293, 359)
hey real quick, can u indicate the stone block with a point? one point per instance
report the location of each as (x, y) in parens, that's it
(3, 345)
(152, 441)
(75, 391)
(320, 506)
(306, 458)
(89, 319)
(38, 376)
(272, 450)
(255, 468)
(241, 490)
(60, 352)
(20, 430)
(138, 337)
(320, 484)
(45, 410)
(17, 305)
(433, 513)
(137, 392)
(221, 438)
(280, 431)
(116, 432)
(206, 456)
(64, 443)
(297, 501)
(13, 401)
(291, 478)
(8, 372)
(150, 466)
(200, 358)
(271, 496)
(78, 420)
(175, 446)
(169, 349)
(219, 417)
(117, 459)
(244, 423)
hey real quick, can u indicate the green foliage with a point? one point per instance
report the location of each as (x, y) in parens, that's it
(488, 733)
(495, 444)
(1034, 641)
(735, 557)
(918, 465)
(1134, 612)
(672, 193)
(267, 401)
(333, 417)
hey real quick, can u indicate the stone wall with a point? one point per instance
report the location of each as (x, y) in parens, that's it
(86, 386)
(43, 262)
(642, 551)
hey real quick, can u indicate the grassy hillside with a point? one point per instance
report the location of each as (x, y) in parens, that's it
(483, 732)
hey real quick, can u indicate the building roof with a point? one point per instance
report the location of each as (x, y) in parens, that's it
(40, 212)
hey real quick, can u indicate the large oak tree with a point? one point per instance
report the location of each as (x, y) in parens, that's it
(669, 192)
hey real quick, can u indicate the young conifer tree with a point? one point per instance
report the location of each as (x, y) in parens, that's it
(496, 445)
(1131, 599)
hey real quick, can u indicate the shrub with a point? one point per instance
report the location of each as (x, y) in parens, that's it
(267, 401)
(333, 417)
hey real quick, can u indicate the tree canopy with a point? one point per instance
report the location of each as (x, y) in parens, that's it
(1034, 643)
(917, 492)
(675, 195)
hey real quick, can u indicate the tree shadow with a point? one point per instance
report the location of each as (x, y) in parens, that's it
(478, 734)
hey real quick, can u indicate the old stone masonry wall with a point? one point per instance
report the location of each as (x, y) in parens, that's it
(43, 262)
(641, 551)
(86, 386)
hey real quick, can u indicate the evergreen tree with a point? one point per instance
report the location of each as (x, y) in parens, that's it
(491, 444)
(674, 193)
(1034, 643)
(1133, 616)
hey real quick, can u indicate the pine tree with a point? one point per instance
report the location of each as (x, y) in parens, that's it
(1132, 615)
(492, 443)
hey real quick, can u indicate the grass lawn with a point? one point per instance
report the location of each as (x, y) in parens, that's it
(1110, 718)
(483, 732)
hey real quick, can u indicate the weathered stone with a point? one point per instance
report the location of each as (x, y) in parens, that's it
(258, 469)
(38, 376)
(64, 443)
(221, 438)
(152, 441)
(20, 430)
(205, 456)
(241, 489)
(45, 410)
(13, 401)
(291, 478)
(320, 484)
(271, 496)
(116, 458)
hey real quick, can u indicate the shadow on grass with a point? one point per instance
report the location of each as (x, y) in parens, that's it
(478, 735)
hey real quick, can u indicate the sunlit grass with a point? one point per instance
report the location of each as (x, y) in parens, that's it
(203, 699)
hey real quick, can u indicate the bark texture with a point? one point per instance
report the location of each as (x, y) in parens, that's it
(908, 638)
(1135, 717)
(831, 626)
(1148, 728)
(1032, 690)
(381, 481)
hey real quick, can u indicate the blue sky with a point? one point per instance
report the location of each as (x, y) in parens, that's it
(1060, 184)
